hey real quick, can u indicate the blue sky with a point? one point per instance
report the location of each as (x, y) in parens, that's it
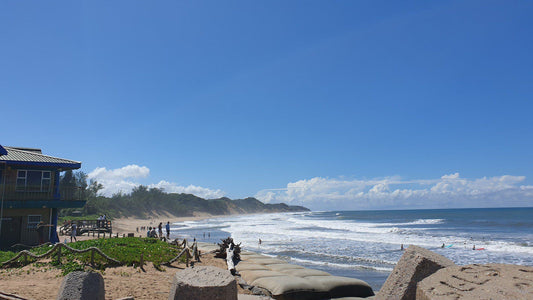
(329, 104)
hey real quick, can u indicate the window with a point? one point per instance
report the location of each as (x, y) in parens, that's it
(34, 181)
(21, 180)
(46, 181)
(33, 220)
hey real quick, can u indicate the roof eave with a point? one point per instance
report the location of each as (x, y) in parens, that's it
(63, 166)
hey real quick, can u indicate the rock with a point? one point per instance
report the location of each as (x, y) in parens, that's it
(492, 281)
(203, 283)
(415, 264)
(243, 283)
(259, 291)
(253, 297)
(82, 286)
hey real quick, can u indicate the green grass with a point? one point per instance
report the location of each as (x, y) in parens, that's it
(63, 219)
(126, 250)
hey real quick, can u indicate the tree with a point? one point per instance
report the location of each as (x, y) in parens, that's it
(93, 189)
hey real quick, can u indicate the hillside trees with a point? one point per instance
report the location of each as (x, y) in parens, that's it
(144, 201)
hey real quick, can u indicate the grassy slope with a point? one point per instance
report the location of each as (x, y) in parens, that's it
(126, 250)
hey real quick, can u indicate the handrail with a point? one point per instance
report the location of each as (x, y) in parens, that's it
(187, 252)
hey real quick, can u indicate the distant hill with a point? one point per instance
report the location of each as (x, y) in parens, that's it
(142, 202)
(252, 205)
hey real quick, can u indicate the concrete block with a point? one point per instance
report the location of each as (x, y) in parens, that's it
(415, 264)
(491, 281)
(82, 286)
(203, 283)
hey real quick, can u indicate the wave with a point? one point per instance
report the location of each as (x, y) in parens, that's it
(423, 222)
(379, 241)
(338, 265)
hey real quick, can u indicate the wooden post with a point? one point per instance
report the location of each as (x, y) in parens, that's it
(117, 235)
(59, 254)
(98, 233)
(142, 260)
(195, 249)
(187, 258)
(92, 257)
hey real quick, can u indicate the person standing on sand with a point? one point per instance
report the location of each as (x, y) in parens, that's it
(160, 229)
(167, 227)
(73, 231)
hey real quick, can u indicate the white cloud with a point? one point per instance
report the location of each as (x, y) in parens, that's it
(125, 179)
(394, 193)
(190, 189)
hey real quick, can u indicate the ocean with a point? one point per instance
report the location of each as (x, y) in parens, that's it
(366, 244)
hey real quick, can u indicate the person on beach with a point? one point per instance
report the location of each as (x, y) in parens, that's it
(442, 245)
(260, 241)
(40, 231)
(153, 234)
(73, 232)
(167, 228)
(401, 247)
(148, 232)
(160, 229)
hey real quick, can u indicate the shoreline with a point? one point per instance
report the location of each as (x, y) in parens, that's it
(130, 224)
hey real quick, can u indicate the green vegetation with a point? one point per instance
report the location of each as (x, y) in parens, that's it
(143, 201)
(64, 218)
(126, 250)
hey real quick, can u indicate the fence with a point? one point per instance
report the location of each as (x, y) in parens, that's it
(56, 250)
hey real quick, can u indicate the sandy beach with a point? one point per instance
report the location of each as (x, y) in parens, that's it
(33, 282)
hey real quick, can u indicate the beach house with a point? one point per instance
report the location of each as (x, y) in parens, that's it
(30, 193)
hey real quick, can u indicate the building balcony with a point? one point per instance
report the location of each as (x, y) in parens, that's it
(15, 197)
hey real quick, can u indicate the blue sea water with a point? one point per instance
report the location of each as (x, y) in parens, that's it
(366, 244)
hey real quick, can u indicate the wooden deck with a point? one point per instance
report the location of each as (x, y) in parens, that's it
(88, 226)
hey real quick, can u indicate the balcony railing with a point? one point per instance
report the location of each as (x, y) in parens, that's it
(14, 193)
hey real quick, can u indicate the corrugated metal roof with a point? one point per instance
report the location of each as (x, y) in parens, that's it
(18, 156)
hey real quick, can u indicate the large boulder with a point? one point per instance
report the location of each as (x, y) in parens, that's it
(492, 281)
(204, 283)
(415, 264)
(82, 286)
